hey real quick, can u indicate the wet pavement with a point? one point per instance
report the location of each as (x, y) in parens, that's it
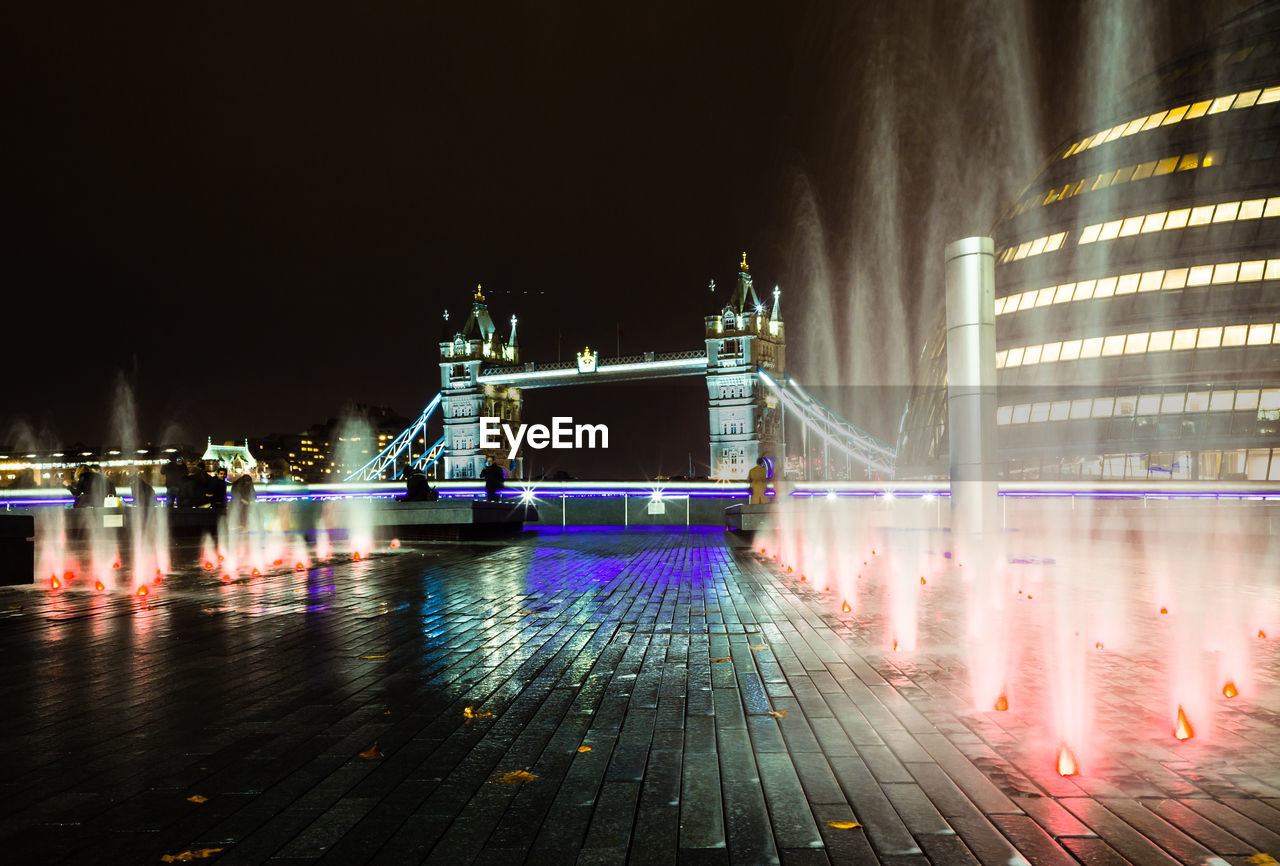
(598, 696)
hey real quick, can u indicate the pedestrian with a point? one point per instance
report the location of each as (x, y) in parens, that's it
(144, 495)
(174, 473)
(758, 478)
(194, 492)
(493, 479)
(242, 490)
(88, 487)
(216, 490)
(418, 489)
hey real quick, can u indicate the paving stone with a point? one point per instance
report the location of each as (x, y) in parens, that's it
(260, 695)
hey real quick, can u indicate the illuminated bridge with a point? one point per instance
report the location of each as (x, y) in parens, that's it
(749, 395)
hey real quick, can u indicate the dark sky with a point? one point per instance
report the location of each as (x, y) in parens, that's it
(253, 216)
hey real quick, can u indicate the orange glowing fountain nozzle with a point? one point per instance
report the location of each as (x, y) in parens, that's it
(1229, 690)
(1067, 762)
(1183, 730)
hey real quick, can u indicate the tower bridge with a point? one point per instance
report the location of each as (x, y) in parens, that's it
(743, 361)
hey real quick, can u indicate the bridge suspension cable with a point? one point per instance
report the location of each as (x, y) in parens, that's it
(835, 431)
(399, 449)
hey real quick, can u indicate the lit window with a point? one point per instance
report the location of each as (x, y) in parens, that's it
(1000, 306)
(1273, 207)
(1027, 300)
(1055, 242)
(1225, 273)
(1252, 209)
(1125, 407)
(1251, 271)
(1226, 212)
(1175, 278)
(1234, 335)
(1201, 275)
(1063, 293)
(1202, 215)
(1197, 401)
(1131, 226)
(1210, 338)
(1222, 401)
(1161, 341)
(1091, 348)
(1070, 350)
(1050, 353)
(1246, 99)
(1246, 400)
(1000, 356)
(1154, 120)
(1143, 170)
(1084, 290)
(1150, 281)
(1189, 161)
(1184, 339)
(1175, 115)
(1134, 126)
(1113, 345)
(1113, 133)
(1153, 222)
(1271, 94)
(1031, 356)
(1135, 344)
(1080, 408)
(1039, 412)
(1110, 231)
(1090, 234)
(1270, 399)
(1102, 407)
(1177, 218)
(1172, 404)
(1004, 415)
(1037, 246)
(1021, 412)
(1128, 284)
(1148, 404)
(1059, 411)
(1259, 335)
(1044, 297)
(1221, 104)
(1198, 109)
(1014, 358)
(1166, 165)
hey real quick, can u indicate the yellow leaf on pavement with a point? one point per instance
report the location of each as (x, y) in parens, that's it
(844, 825)
(470, 713)
(197, 798)
(584, 748)
(778, 714)
(722, 659)
(372, 753)
(515, 776)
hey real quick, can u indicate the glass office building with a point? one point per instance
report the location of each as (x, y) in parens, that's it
(1138, 286)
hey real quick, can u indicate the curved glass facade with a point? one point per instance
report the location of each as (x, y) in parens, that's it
(1138, 287)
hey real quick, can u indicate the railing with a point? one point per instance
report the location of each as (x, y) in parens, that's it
(833, 430)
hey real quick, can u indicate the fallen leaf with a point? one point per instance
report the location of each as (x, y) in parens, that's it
(188, 856)
(197, 798)
(758, 648)
(372, 753)
(778, 714)
(584, 748)
(470, 713)
(373, 657)
(722, 659)
(515, 776)
(844, 825)
(1262, 859)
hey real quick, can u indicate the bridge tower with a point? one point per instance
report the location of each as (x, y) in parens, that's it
(746, 422)
(464, 400)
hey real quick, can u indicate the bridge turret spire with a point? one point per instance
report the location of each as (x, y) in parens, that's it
(511, 343)
(776, 315)
(744, 294)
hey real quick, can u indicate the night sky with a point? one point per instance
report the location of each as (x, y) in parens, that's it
(254, 216)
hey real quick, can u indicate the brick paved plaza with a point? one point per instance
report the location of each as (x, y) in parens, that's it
(673, 698)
